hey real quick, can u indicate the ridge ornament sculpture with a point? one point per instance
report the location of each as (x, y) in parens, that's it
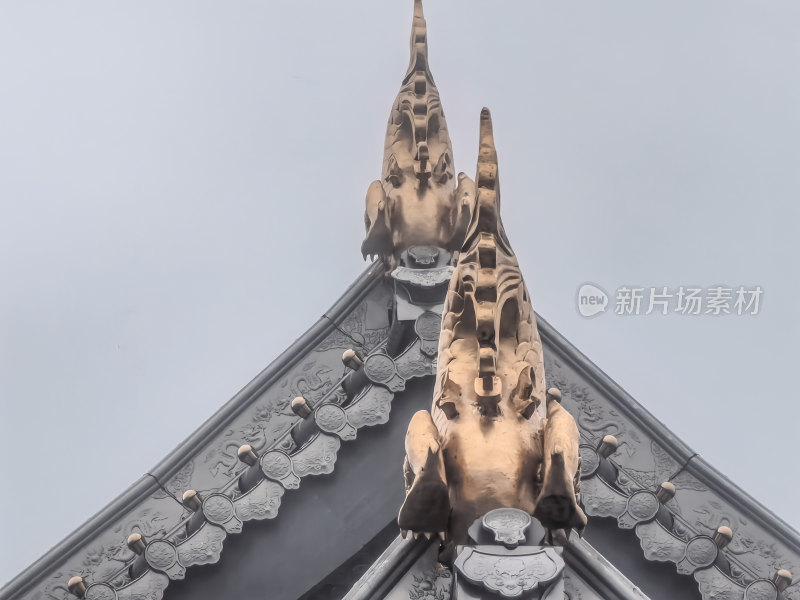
(417, 201)
(492, 438)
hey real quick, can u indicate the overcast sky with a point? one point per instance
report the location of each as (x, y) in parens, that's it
(182, 188)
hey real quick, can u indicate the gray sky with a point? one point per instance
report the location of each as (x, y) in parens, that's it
(182, 187)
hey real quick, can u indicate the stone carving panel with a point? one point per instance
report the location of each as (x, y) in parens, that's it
(371, 407)
(752, 551)
(507, 524)
(434, 584)
(149, 586)
(332, 418)
(162, 556)
(218, 509)
(270, 416)
(261, 502)
(414, 361)
(642, 463)
(576, 588)
(381, 369)
(317, 457)
(203, 547)
(645, 463)
(265, 421)
(103, 559)
(509, 575)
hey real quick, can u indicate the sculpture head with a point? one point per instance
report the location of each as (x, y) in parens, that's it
(416, 202)
(499, 440)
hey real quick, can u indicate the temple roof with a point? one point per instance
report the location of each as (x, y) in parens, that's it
(336, 403)
(260, 415)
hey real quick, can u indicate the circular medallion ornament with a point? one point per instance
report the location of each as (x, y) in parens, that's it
(701, 551)
(507, 524)
(330, 418)
(100, 591)
(276, 464)
(218, 509)
(160, 555)
(761, 589)
(379, 368)
(590, 461)
(643, 505)
(428, 325)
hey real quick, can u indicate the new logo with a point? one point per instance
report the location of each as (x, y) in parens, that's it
(592, 300)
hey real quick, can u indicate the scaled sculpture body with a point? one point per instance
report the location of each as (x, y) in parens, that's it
(490, 440)
(417, 201)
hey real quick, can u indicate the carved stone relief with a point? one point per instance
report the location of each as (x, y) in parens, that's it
(641, 464)
(751, 551)
(270, 415)
(104, 557)
(646, 464)
(166, 551)
(575, 588)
